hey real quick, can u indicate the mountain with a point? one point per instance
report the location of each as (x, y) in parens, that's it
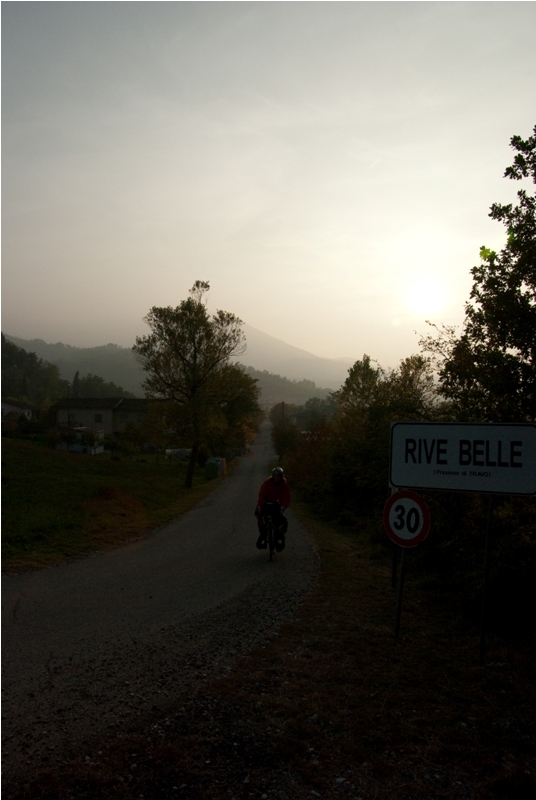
(300, 373)
(265, 352)
(276, 389)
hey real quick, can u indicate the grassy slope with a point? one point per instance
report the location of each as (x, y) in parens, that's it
(332, 708)
(58, 505)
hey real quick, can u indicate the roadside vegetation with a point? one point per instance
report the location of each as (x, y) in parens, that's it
(58, 505)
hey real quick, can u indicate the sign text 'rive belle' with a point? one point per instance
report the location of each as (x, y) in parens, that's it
(464, 457)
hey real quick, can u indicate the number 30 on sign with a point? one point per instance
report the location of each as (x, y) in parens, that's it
(406, 518)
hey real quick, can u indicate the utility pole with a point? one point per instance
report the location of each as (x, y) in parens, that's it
(68, 415)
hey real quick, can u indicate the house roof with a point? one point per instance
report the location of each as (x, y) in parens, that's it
(87, 402)
(8, 401)
(110, 403)
(132, 404)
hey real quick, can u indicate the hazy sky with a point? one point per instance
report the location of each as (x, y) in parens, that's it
(328, 167)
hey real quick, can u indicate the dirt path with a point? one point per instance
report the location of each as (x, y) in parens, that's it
(92, 646)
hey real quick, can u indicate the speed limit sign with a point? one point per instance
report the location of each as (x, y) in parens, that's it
(406, 518)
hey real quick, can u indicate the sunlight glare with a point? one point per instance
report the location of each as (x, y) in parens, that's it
(426, 296)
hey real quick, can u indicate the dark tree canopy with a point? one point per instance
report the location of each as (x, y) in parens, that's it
(186, 357)
(187, 346)
(95, 386)
(490, 370)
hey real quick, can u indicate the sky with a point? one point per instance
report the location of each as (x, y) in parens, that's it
(327, 167)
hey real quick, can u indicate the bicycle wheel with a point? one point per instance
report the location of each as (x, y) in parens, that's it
(271, 541)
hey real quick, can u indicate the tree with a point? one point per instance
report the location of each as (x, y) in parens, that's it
(234, 415)
(317, 410)
(369, 400)
(341, 462)
(285, 437)
(187, 357)
(29, 378)
(281, 411)
(490, 370)
(95, 386)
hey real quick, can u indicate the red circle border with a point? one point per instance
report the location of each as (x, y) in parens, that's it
(417, 499)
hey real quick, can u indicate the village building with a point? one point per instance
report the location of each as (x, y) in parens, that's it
(108, 414)
(18, 407)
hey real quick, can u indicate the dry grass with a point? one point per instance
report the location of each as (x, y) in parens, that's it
(332, 708)
(59, 505)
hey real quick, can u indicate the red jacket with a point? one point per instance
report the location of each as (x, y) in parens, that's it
(271, 492)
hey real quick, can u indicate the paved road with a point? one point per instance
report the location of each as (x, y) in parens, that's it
(95, 645)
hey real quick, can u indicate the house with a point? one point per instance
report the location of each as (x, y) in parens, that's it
(19, 408)
(108, 414)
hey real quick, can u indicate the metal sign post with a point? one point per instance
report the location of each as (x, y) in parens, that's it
(406, 519)
(400, 592)
(484, 612)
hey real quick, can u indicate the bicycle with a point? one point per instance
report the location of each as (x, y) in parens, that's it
(272, 531)
(270, 534)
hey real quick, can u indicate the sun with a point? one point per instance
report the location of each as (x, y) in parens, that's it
(426, 296)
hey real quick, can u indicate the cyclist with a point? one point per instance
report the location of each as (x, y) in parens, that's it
(274, 497)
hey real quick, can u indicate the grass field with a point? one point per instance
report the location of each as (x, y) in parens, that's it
(331, 707)
(59, 505)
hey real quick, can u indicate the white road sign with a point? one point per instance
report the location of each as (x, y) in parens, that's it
(460, 457)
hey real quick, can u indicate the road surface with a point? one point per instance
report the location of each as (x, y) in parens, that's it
(94, 646)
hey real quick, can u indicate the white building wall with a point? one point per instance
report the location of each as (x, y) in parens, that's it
(88, 418)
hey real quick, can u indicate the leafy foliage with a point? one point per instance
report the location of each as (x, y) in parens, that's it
(351, 430)
(285, 437)
(370, 399)
(94, 386)
(489, 372)
(186, 357)
(290, 422)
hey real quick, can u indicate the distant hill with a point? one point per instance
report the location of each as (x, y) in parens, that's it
(285, 373)
(111, 362)
(27, 377)
(265, 352)
(276, 389)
